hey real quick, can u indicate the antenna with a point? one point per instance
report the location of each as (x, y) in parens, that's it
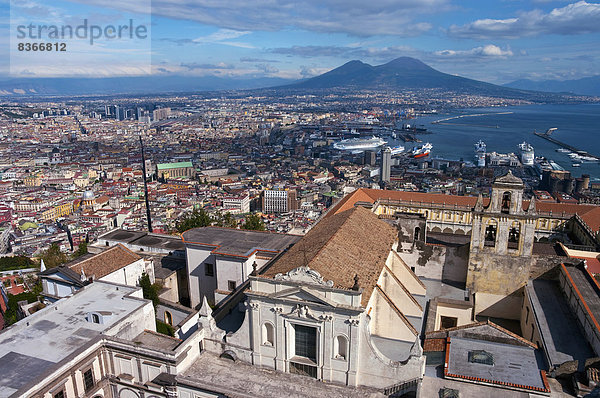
(145, 186)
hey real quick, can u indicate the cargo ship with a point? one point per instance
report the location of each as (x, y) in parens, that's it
(359, 144)
(421, 151)
(480, 151)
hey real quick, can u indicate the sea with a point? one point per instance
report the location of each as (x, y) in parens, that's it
(503, 128)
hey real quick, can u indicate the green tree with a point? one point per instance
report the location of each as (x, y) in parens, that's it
(150, 290)
(81, 250)
(224, 220)
(254, 222)
(12, 311)
(53, 257)
(14, 263)
(197, 218)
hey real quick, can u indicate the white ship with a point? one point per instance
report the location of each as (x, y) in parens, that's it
(422, 151)
(527, 154)
(397, 150)
(480, 150)
(360, 144)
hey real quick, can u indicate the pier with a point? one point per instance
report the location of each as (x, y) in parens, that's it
(578, 151)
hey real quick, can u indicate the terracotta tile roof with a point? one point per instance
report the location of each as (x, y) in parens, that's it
(591, 217)
(589, 213)
(351, 242)
(106, 262)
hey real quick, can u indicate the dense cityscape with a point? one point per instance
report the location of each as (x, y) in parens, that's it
(327, 199)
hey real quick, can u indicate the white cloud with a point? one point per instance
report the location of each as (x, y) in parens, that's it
(573, 19)
(356, 17)
(489, 50)
(224, 36)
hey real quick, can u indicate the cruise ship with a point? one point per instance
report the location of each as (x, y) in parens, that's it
(480, 150)
(359, 144)
(527, 155)
(421, 151)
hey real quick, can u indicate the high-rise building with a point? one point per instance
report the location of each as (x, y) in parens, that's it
(386, 164)
(370, 158)
(279, 201)
(161, 113)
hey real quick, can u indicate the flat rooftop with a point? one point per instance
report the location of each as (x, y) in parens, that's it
(36, 345)
(215, 374)
(563, 340)
(140, 238)
(512, 364)
(237, 242)
(587, 287)
(156, 341)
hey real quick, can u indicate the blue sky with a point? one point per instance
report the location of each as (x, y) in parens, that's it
(495, 41)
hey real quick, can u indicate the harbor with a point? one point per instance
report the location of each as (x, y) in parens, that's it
(547, 136)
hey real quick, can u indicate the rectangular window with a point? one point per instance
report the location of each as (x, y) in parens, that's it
(231, 285)
(209, 270)
(88, 379)
(59, 394)
(306, 342)
(448, 322)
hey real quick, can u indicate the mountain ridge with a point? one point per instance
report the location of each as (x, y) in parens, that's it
(584, 86)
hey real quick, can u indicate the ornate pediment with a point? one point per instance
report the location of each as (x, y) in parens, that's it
(304, 274)
(303, 294)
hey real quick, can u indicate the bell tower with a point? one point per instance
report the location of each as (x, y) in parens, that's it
(502, 239)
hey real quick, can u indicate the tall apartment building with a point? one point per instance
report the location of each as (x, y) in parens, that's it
(279, 201)
(386, 164)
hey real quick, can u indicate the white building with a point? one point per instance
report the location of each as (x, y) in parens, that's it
(219, 260)
(240, 204)
(117, 264)
(386, 164)
(339, 306)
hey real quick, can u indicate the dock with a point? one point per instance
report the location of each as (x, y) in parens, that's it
(571, 148)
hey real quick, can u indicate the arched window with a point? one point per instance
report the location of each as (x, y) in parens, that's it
(268, 334)
(168, 318)
(95, 318)
(340, 347)
(514, 235)
(490, 233)
(417, 232)
(505, 208)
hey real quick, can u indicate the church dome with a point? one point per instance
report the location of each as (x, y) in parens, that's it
(87, 195)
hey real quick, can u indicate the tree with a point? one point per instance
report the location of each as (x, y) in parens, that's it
(226, 220)
(197, 218)
(150, 290)
(14, 263)
(53, 257)
(254, 222)
(81, 250)
(12, 309)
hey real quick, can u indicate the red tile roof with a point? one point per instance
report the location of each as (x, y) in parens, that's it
(353, 242)
(106, 262)
(589, 213)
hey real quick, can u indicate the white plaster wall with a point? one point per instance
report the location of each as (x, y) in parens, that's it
(200, 284)
(385, 322)
(128, 275)
(408, 278)
(231, 270)
(463, 315)
(498, 305)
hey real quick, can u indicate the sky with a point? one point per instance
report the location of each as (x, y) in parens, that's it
(494, 41)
